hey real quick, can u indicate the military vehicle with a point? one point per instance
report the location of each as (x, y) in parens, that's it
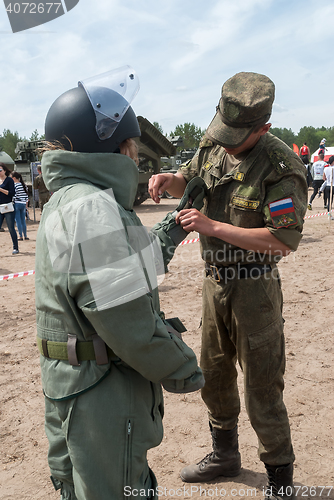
(26, 155)
(172, 164)
(7, 160)
(152, 145)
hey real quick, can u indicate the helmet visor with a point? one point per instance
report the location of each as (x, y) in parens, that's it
(110, 95)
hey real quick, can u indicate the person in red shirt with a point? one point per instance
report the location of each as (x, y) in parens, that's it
(305, 153)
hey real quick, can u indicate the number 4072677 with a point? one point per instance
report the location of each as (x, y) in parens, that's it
(33, 8)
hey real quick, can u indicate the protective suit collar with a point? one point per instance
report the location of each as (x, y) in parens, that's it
(104, 170)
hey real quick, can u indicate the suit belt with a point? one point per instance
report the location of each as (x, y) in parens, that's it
(236, 271)
(74, 351)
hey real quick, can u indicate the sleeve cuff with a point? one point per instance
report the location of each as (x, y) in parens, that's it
(290, 237)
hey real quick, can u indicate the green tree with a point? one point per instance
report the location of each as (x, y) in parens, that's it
(330, 136)
(8, 141)
(190, 133)
(158, 126)
(310, 136)
(286, 135)
(35, 136)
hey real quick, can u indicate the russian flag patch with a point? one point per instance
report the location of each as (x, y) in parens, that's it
(283, 213)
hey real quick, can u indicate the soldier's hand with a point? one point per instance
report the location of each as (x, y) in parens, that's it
(158, 184)
(193, 220)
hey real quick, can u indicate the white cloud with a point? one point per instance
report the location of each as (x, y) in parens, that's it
(183, 52)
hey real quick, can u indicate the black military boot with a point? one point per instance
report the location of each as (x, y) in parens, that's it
(224, 460)
(280, 482)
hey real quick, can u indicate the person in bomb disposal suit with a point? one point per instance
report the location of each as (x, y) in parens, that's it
(104, 343)
(252, 216)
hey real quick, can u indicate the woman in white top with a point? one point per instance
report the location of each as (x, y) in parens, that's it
(21, 201)
(328, 178)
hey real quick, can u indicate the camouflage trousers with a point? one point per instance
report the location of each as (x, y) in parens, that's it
(43, 198)
(242, 321)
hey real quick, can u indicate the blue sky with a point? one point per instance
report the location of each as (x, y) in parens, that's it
(183, 51)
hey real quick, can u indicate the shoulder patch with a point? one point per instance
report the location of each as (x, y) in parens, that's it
(239, 176)
(207, 165)
(283, 213)
(280, 161)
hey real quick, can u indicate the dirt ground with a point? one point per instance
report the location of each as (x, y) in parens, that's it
(308, 285)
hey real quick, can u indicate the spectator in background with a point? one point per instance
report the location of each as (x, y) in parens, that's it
(305, 154)
(328, 178)
(7, 191)
(317, 172)
(43, 192)
(322, 146)
(21, 202)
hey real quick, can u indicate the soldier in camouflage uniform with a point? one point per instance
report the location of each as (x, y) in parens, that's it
(43, 192)
(253, 215)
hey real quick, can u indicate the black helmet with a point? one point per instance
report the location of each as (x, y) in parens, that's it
(93, 117)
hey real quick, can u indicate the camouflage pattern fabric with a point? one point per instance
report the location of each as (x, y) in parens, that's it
(271, 172)
(40, 185)
(246, 102)
(234, 330)
(43, 198)
(242, 318)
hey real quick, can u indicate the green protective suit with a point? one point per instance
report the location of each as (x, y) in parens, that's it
(96, 274)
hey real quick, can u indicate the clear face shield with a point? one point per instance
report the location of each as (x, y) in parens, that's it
(110, 95)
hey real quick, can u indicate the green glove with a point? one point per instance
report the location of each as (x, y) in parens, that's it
(193, 196)
(168, 231)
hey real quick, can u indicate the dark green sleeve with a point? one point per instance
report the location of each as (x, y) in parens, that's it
(289, 184)
(136, 334)
(290, 237)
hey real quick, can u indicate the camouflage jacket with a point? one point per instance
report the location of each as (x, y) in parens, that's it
(40, 185)
(267, 189)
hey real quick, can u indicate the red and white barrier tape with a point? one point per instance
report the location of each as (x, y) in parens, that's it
(184, 242)
(16, 275)
(317, 215)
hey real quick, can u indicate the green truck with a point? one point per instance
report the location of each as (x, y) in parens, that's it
(152, 146)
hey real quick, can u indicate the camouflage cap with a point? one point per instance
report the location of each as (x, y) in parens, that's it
(246, 102)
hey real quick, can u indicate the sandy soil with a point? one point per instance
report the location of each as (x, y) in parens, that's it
(308, 280)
